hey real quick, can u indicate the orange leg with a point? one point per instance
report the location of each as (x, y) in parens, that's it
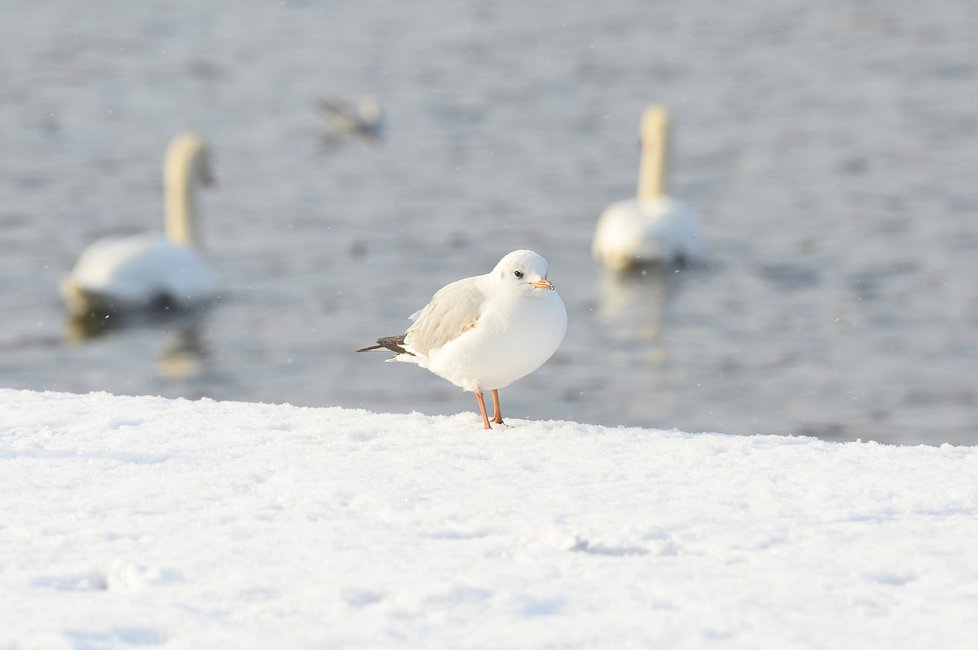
(482, 409)
(497, 413)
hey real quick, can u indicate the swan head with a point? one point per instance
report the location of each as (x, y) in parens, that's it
(189, 157)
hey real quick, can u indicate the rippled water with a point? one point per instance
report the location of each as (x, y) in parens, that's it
(831, 149)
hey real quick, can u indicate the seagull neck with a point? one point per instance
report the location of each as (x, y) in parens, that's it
(652, 171)
(181, 203)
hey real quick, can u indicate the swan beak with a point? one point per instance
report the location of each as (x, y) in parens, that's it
(543, 283)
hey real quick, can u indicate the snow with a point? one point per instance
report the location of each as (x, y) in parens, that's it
(142, 521)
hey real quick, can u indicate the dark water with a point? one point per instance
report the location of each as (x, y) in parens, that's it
(831, 149)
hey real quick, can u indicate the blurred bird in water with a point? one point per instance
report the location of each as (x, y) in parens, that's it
(365, 117)
(150, 271)
(652, 228)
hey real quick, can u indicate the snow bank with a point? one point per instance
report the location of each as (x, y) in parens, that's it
(146, 521)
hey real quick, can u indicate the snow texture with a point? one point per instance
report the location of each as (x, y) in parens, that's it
(142, 521)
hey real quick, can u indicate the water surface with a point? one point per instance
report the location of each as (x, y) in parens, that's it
(831, 149)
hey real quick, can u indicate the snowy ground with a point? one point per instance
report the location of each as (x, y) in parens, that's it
(140, 521)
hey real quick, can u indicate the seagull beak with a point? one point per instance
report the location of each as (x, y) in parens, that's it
(543, 283)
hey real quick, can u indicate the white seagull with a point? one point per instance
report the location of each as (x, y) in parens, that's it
(653, 228)
(149, 271)
(485, 332)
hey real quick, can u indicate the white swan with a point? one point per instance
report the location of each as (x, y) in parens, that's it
(654, 228)
(147, 271)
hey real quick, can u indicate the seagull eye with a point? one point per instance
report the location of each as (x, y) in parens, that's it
(518, 274)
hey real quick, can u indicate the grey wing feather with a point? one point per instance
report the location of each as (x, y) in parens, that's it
(337, 107)
(452, 311)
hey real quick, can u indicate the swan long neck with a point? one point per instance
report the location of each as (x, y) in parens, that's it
(652, 171)
(181, 197)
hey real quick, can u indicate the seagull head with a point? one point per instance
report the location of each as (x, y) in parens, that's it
(523, 272)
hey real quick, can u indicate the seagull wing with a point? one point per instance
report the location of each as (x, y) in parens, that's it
(455, 309)
(337, 106)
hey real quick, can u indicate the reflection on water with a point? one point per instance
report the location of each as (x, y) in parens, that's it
(84, 327)
(632, 303)
(633, 311)
(632, 308)
(183, 353)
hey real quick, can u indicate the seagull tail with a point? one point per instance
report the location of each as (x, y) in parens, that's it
(392, 343)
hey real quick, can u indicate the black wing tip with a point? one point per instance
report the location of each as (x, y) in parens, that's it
(392, 343)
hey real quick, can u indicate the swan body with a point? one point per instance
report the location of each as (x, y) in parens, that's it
(151, 271)
(138, 272)
(653, 228)
(634, 232)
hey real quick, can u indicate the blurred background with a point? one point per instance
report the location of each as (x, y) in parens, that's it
(830, 148)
